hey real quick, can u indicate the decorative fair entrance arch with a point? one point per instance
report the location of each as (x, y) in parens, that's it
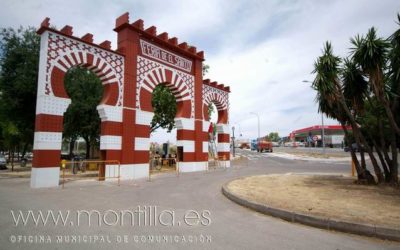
(129, 75)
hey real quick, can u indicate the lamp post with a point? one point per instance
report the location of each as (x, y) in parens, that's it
(258, 118)
(240, 129)
(322, 127)
(323, 133)
(233, 141)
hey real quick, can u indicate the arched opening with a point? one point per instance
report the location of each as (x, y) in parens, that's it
(82, 124)
(163, 131)
(215, 114)
(94, 89)
(170, 82)
(212, 112)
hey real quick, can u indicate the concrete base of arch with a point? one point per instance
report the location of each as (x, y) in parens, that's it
(225, 164)
(185, 167)
(127, 171)
(45, 177)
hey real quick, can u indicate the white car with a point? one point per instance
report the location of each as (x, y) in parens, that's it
(275, 144)
(3, 162)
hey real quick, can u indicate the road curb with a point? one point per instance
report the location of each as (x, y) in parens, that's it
(319, 222)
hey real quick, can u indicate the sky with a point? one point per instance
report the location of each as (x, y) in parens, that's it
(263, 50)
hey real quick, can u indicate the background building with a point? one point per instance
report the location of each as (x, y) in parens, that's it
(334, 135)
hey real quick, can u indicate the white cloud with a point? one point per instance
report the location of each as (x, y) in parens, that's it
(267, 78)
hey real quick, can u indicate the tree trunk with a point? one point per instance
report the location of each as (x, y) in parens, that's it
(378, 87)
(390, 115)
(87, 142)
(24, 149)
(359, 169)
(88, 146)
(18, 150)
(367, 175)
(362, 156)
(382, 160)
(377, 169)
(12, 160)
(71, 147)
(394, 166)
(383, 143)
(358, 134)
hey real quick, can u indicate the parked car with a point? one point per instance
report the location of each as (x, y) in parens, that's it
(288, 144)
(29, 156)
(275, 144)
(3, 162)
(354, 146)
(244, 145)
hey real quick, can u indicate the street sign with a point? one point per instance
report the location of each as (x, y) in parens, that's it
(315, 138)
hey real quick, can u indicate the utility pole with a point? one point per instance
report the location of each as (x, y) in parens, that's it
(323, 133)
(233, 141)
(258, 119)
(322, 123)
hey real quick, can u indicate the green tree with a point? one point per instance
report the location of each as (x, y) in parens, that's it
(273, 136)
(210, 110)
(19, 60)
(206, 68)
(82, 118)
(164, 106)
(373, 54)
(363, 91)
(332, 102)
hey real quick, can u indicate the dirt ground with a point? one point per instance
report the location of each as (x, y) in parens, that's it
(330, 153)
(334, 197)
(319, 155)
(19, 172)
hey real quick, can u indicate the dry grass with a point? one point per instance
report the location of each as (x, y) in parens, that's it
(326, 196)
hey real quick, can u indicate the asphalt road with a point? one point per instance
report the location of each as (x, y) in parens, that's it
(212, 221)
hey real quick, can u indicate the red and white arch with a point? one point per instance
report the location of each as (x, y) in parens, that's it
(219, 97)
(150, 75)
(58, 54)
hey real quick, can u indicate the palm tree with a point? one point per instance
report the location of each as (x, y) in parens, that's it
(394, 80)
(355, 91)
(371, 53)
(394, 61)
(355, 86)
(332, 102)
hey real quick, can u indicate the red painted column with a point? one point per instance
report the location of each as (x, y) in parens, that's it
(200, 135)
(134, 160)
(128, 45)
(48, 135)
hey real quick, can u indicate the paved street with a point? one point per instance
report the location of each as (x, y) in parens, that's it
(230, 225)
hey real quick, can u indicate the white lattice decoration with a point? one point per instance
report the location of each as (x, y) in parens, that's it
(146, 66)
(111, 142)
(217, 96)
(47, 141)
(142, 144)
(64, 52)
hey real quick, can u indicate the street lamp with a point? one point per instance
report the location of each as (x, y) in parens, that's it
(258, 118)
(237, 125)
(233, 141)
(322, 123)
